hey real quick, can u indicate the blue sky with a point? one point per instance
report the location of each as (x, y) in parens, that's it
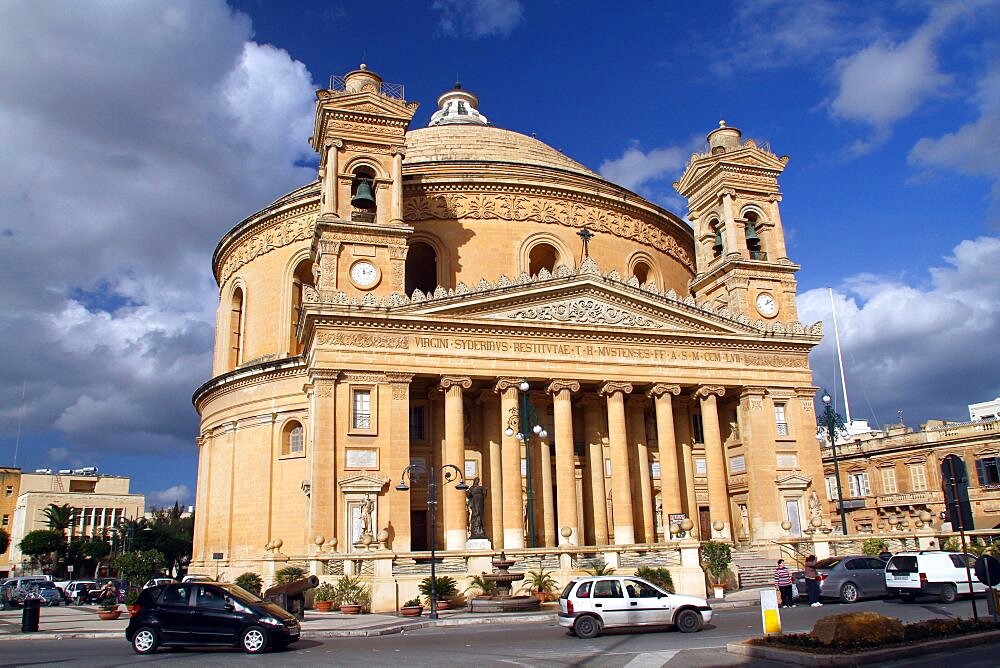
(137, 133)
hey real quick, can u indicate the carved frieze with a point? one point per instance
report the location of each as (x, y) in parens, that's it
(284, 231)
(363, 340)
(367, 128)
(778, 361)
(585, 311)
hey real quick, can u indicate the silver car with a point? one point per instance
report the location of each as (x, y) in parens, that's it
(847, 578)
(589, 605)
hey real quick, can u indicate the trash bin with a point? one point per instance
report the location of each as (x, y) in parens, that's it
(29, 616)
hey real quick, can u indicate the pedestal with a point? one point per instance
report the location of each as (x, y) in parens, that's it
(473, 544)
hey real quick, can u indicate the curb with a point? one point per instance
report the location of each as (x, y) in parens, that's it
(860, 658)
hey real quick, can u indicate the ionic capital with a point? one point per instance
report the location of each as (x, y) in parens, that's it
(504, 384)
(613, 386)
(333, 142)
(559, 385)
(660, 389)
(706, 391)
(448, 382)
(398, 150)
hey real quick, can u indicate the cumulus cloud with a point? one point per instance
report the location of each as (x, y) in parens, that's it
(169, 496)
(476, 19)
(135, 134)
(650, 173)
(924, 347)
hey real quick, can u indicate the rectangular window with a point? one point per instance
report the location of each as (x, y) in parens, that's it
(361, 412)
(6, 520)
(737, 464)
(700, 467)
(918, 477)
(780, 425)
(988, 470)
(10, 490)
(889, 480)
(831, 487)
(859, 485)
(788, 460)
(417, 432)
(697, 428)
(655, 470)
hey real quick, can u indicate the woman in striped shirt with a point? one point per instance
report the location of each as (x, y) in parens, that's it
(783, 581)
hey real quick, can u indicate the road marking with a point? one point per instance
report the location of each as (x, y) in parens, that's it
(651, 659)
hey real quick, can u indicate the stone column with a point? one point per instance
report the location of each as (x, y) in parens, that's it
(398, 516)
(715, 460)
(513, 502)
(671, 494)
(685, 440)
(453, 505)
(594, 431)
(637, 441)
(732, 241)
(621, 493)
(541, 458)
(562, 409)
(330, 179)
(396, 202)
(323, 506)
(757, 433)
(776, 238)
(492, 468)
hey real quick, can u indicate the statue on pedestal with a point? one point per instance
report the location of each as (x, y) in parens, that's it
(475, 498)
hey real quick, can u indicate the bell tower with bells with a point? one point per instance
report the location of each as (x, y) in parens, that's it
(733, 195)
(360, 241)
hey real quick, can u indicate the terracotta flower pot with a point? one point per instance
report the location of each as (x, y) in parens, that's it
(323, 606)
(108, 615)
(350, 609)
(411, 610)
(443, 605)
(541, 596)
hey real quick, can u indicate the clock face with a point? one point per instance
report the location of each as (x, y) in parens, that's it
(364, 274)
(766, 304)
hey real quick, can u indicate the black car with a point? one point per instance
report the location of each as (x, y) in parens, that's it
(198, 613)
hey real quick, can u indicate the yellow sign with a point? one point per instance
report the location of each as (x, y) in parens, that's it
(769, 615)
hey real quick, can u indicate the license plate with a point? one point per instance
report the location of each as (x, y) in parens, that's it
(901, 576)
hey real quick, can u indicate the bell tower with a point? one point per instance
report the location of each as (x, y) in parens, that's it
(360, 240)
(733, 195)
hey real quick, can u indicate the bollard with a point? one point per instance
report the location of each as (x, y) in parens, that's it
(29, 616)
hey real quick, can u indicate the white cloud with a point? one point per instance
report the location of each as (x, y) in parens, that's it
(478, 18)
(169, 496)
(135, 135)
(636, 167)
(927, 349)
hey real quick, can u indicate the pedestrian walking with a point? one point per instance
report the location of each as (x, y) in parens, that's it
(812, 581)
(783, 582)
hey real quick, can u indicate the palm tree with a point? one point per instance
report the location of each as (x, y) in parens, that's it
(60, 518)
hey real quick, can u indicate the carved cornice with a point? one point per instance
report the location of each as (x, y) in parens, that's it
(752, 391)
(559, 385)
(285, 228)
(614, 386)
(706, 391)
(363, 340)
(398, 377)
(448, 382)
(661, 389)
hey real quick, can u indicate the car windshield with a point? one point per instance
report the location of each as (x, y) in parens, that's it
(828, 563)
(241, 594)
(567, 589)
(43, 584)
(905, 564)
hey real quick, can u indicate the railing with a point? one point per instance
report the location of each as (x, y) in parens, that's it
(908, 498)
(392, 90)
(931, 435)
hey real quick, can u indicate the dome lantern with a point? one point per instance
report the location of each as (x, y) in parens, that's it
(458, 107)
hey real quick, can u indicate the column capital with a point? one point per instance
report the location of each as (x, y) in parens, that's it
(706, 391)
(397, 150)
(806, 392)
(558, 385)
(660, 389)
(398, 377)
(448, 382)
(752, 391)
(507, 383)
(613, 386)
(333, 142)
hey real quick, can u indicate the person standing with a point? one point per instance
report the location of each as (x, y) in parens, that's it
(885, 555)
(812, 581)
(783, 582)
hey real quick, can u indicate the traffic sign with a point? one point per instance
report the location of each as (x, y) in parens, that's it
(988, 570)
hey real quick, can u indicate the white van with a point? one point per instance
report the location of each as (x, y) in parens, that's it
(931, 573)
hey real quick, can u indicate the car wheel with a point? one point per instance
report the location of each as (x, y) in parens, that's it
(145, 641)
(687, 621)
(948, 593)
(254, 640)
(849, 593)
(586, 627)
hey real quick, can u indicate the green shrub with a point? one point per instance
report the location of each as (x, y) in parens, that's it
(445, 585)
(325, 592)
(540, 581)
(351, 589)
(716, 556)
(250, 581)
(289, 574)
(659, 576)
(483, 585)
(412, 603)
(872, 546)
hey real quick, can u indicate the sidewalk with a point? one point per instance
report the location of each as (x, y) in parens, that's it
(83, 622)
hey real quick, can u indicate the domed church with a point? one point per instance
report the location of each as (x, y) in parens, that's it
(458, 338)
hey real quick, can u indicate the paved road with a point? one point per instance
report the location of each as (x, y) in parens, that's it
(506, 645)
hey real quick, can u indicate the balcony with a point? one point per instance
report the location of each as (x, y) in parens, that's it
(908, 499)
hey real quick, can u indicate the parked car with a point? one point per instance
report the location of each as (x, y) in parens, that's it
(588, 605)
(848, 578)
(931, 573)
(197, 578)
(78, 592)
(208, 614)
(20, 588)
(157, 582)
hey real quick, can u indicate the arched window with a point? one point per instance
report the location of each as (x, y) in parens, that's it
(300, 278)
(753, 237)
(293, 439)
(236, 317)
(421, 268)
(641, 272)
(363, 204)
(542, 256)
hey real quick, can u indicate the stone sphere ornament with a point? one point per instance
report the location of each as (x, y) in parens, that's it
(718, 525)
(687, 524)
(674, 529)
(383, 535)
(926, 517)
(786, 525)
(366, 539)
(277, 543)
(319, 539)
(566, 532)
(816, 522)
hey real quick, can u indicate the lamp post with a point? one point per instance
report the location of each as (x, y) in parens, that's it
(832, 421)
(449, 473)
(520, 417)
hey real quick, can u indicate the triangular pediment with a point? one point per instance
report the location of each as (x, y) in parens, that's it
(373, 104)
(579, 302)
(794, 481)
(363, 482)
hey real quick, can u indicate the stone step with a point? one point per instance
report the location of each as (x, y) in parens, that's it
(756, 576)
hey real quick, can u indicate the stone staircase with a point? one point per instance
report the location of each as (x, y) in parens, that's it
(755, 570)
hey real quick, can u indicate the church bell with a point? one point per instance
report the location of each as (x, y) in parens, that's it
(717, 246)
(363, 198)
(753, 241)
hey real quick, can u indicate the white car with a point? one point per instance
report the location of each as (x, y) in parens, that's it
(931, 573)
(589, 605)
(196, 578)
(156, 582)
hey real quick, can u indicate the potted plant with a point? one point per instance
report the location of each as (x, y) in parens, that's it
(109, 610)
(446, 588)
(324, 596)
(131, 602)
(717, 556)
(412, 608)
(540, 583)
(353, 595)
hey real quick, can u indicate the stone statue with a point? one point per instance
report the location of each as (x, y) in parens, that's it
(475, 497)
(367, 508)
(815, 507)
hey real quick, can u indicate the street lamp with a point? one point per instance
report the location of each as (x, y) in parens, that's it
(832, 421)
(449, 473)
(521, 417)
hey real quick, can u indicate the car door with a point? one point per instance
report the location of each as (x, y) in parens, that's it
(647, 605)
(219, 619)
(609, 602)
(876, 569)
(175, 613)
